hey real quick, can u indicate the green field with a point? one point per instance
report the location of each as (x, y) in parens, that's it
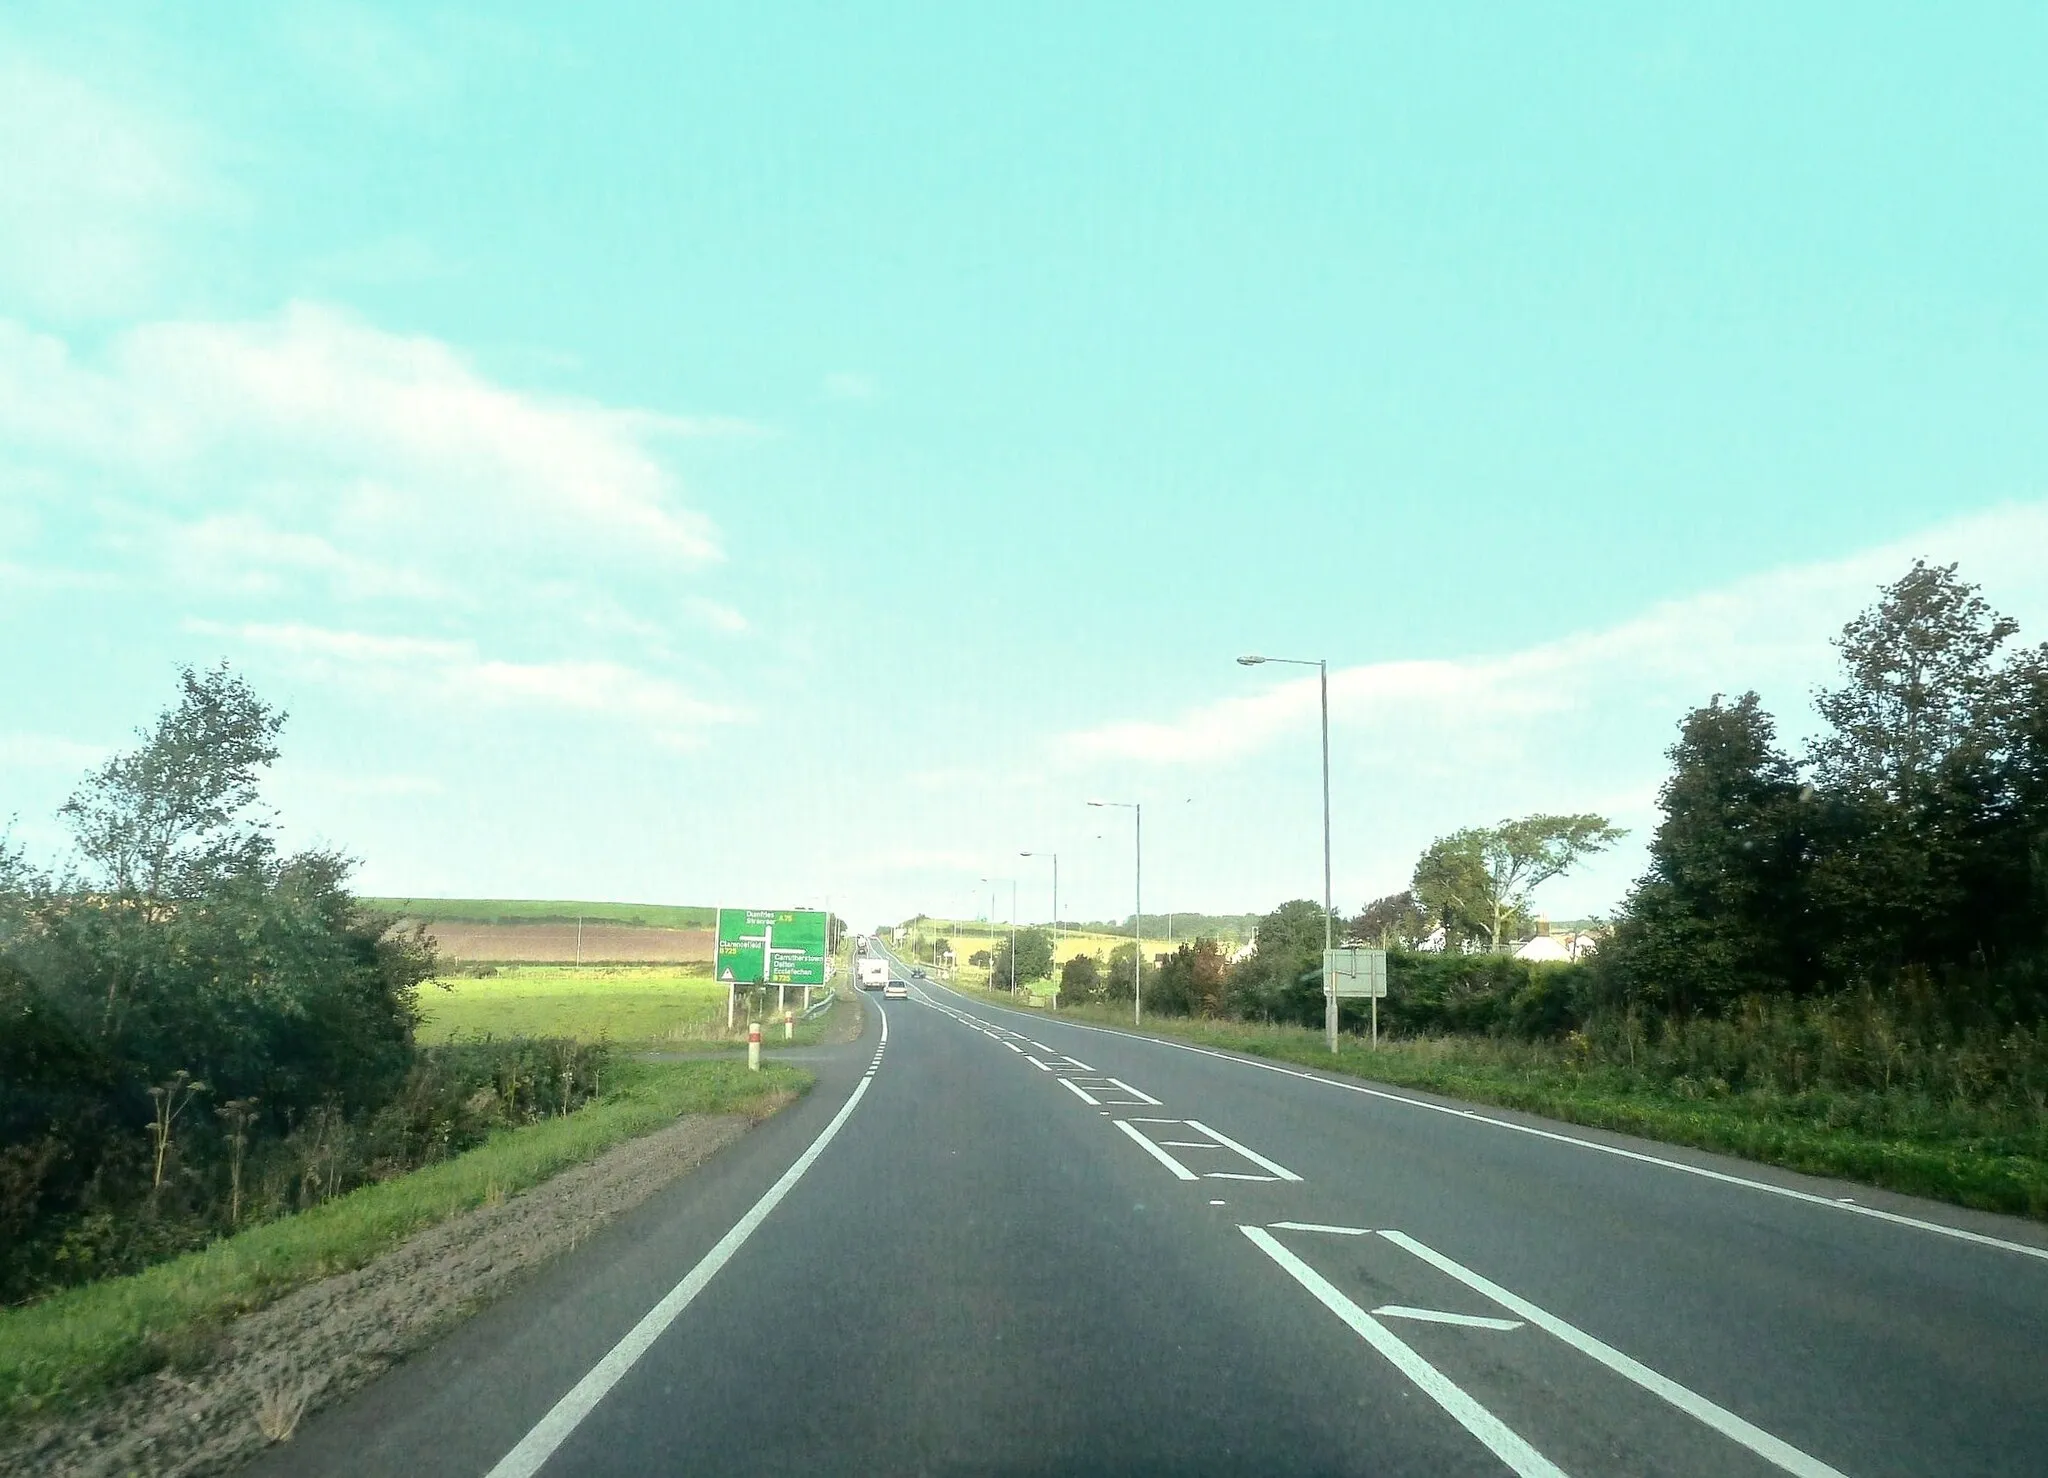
(54, 1352)
(619, 1003)
(546, 911)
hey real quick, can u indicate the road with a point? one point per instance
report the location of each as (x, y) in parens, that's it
(996, 1242)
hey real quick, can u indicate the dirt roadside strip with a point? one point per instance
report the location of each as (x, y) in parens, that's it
(320, 1342)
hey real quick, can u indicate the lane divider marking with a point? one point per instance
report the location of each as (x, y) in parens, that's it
(1893, 1218)
(553, 1429)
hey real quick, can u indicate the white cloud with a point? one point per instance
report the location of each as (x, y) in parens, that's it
(307, 458)
(368, 438)
(92, 189)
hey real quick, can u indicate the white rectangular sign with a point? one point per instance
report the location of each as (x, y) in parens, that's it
(1355, 972)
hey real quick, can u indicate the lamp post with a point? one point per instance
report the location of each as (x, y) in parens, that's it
(1013, 931)
(1137, 811)
(1055, 898)
(1322, 668)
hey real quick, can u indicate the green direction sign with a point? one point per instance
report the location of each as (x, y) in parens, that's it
(770, 946)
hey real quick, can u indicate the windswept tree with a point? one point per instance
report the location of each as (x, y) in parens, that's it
(182, 808)
(1481, 878)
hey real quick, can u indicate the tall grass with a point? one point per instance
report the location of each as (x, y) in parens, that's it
(54, 1352)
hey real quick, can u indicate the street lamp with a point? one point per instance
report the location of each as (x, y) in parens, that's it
(1013, 933)
(1322, 668)
(1055, 897)
(1137, 811)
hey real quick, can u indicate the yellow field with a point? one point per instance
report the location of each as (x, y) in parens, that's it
(970, 936)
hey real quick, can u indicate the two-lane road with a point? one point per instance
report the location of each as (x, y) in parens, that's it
(993, 1241)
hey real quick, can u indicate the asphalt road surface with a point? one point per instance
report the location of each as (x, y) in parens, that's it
(994, 1242)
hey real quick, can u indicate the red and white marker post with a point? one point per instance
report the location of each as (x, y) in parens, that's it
(754, 1045)
(788, 1025)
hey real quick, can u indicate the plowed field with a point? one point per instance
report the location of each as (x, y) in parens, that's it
(556, 943)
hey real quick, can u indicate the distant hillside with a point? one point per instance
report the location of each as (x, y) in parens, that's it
(546, 911)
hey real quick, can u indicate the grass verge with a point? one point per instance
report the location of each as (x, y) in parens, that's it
(66, 1347)
(1899, 1142)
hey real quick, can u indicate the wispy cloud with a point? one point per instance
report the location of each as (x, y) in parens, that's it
(1771, 631)
(457, 671)
(47, 751)
(846, 385)
(93, 188)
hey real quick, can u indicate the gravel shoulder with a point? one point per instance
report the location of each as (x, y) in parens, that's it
(262, 1372)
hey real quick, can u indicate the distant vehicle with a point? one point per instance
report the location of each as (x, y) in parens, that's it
(874, 972)
(895, 990)
(860, 944)
(918, 972)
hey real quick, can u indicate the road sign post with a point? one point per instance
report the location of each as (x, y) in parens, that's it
(768, 946)
(1351, 974)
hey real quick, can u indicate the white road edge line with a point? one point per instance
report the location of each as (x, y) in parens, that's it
(1155, 1151)
(1832, 1203)
(1772, 1449)
(552, 1430)
(1500, 1439)
(1444, 1316)
(1252, 1155)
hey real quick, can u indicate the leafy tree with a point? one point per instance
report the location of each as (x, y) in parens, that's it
(1911, 774)
(1080, 980)
(1034, 958)
(1451, 885)
(1722, 911)
(1480, 879)
(1282, 979)
(979, 957)
(1120, 972)
(1397, 919)
(1193, 980)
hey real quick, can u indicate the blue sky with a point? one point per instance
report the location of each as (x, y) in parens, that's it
(759, 454)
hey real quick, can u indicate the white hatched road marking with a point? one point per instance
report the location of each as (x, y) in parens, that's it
(1252, 1155)
(1155, 1151)
(1772, 1449)
(1215, 1141)
(1501, 1440)
(1444, 1316)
